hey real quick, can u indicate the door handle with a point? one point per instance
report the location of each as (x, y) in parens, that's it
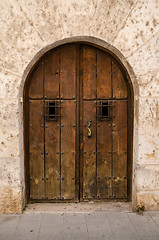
(88, 127)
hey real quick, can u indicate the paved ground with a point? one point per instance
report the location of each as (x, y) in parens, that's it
(112, 222)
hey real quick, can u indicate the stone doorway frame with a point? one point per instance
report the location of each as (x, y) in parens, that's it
(133, 89)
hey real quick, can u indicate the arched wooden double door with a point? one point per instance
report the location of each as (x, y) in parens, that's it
(77, 108)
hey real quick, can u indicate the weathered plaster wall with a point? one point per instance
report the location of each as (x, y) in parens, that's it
(132, 26)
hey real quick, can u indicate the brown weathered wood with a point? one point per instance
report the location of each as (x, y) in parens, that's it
(118, 81)
(89, 72)
(77, 166)
(80, 123)
(104, 89)
(120, 149)
(97, 165)
(36, 150)
(68, 150)
(52, 157)
(89, 147)
(104, 158)
(68, 71)
(51, 75)
(36, 83)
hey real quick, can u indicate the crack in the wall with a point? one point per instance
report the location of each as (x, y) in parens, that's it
(124, 22)
(9, 71)
(96, 8)
(146, 42)
(31, 23)
(154, 71)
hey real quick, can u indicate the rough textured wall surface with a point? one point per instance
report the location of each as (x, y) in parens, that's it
(132, 26)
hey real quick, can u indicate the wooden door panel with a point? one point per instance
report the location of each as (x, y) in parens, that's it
(118, 81)
(104, 157)
(120, 149)
(36, 83)
(52, 156)
(89, 147)
(51, 75)
(68, 149)
(36, 149)
(104, 89)
(89, 72)
(68, 71)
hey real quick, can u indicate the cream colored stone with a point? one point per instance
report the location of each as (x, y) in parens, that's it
(19, 40)
(148, 200)
(61, 19)
(9, 142)
(10, 200)
(148, 85)
(149, 113)
(9, 114)
(9, 87)
(146, 59)
(141, 25)
(148, 131)
(10, 172)
(148, 148)
(147, 177)
(111, 16)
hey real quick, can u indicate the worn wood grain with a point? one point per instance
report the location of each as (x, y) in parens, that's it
(104, 157)
(89, 72)
(36, 82)
(104, 86)
(119, 84)
(68, 71)
(89, 147)
(52, 157)
(68, 151)
(96, 166)
(36, 149)
(120, 149)
(51, 75)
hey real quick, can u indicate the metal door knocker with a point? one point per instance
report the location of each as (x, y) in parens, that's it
(89, 130)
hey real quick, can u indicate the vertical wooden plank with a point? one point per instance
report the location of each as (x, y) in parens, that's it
(104, 158)
(120, 149)
(77, 168)
(36, 149)
(119, 84)
(68, 71)
(52, 157)
(51, 75)
(103, 76)
(68, 150)
(89, 146)
(89, 72)
(36, 82)
(81, 122)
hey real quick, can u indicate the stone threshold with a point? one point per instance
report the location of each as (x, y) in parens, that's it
(81, 207)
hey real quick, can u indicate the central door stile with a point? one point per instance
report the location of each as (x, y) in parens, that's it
(68, 56)
(77, 168)
(80, 97)
(88, 126)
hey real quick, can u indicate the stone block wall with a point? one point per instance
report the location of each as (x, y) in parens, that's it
(131, 26)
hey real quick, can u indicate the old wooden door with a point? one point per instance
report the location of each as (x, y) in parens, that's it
(77, 126)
